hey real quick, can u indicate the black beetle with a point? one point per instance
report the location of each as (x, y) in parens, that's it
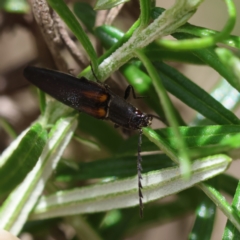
(95, 99)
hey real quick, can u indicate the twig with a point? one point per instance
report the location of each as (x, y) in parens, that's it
(79, 57)
(100, 20)
(44, 19)
(112, 14)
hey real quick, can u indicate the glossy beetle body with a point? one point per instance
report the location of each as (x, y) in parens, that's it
(86, 96)
(95, 99)
(125, 115)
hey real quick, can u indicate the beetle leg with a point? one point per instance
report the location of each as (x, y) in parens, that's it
(127, 93)
(94, 73)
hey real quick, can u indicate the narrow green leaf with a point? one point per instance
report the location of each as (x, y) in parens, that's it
(221, 203)
(221, 136)
(224, 93)
(112, 167)
(88, 143)
(13, 146)
(123, 193)
(103, 132)
(42, 101)
(128, 221)
(162, 144)
(67, 16)
(231, 232)
(156, 12)
(15, 210)
(86, 14)
(232, 64)
(155, 53)
(209, 56)
(22, 159)
(54, 111)
(7, 127)
(205, 215)
(107, 4)
(194, 96)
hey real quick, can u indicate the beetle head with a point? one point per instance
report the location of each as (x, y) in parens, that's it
(140, 120)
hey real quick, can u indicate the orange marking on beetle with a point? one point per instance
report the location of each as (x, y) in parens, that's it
(103, 97)
(99, 97)
(96, 112)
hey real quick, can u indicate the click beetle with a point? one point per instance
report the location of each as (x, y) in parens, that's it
(95, 99)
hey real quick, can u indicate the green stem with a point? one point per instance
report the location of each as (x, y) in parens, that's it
(161, 143)
(169, 111)
(87, 71)
(8, 128)
(194, 44)
(145, 9)
(82, 227)
(233, 41)
(230, 232)
(42, 101)
(164, 25)
(221, 203)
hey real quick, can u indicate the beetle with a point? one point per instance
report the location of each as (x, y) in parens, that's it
(95, 99)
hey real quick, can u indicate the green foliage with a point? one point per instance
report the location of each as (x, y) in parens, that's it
(23, 158)
(14, 6)
(190, 154)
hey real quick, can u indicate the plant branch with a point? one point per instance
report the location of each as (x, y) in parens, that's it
(44, 19)
(164, 25)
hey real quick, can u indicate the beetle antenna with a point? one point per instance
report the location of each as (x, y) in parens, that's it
(159, 118)
(139, 171)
